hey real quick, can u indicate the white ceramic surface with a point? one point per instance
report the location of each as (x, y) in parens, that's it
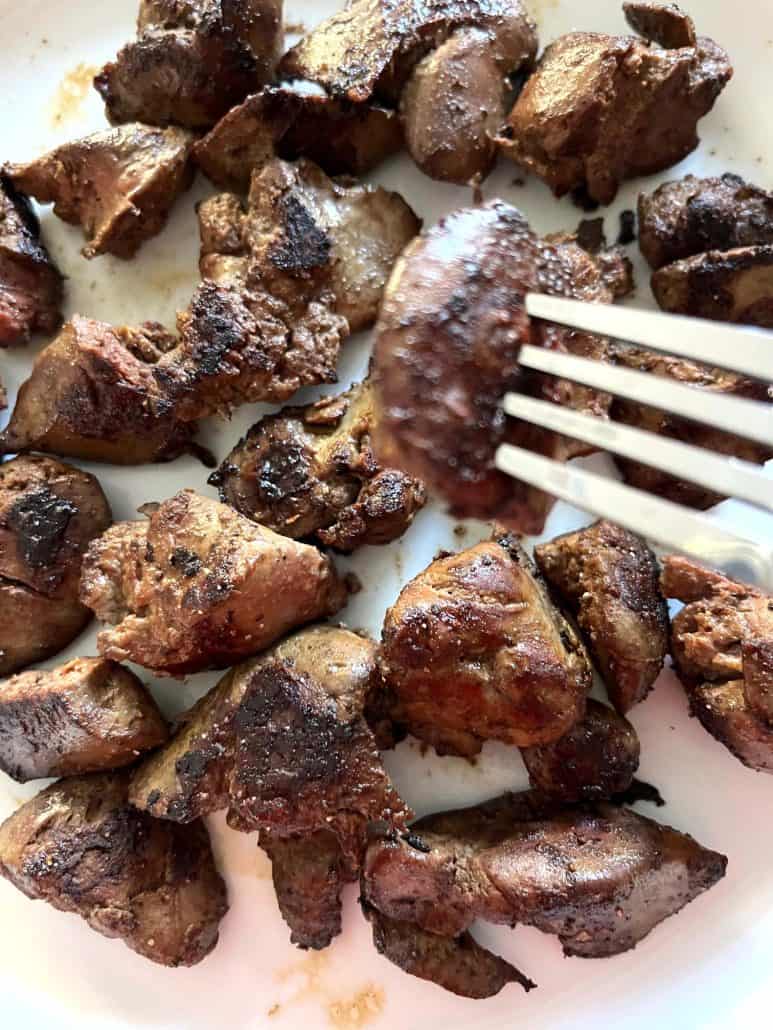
(708, 967)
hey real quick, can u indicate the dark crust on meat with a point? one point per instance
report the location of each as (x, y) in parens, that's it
(81, 847)
(341, 137)
(119, 184)
(92, 395)
(191, 63)
(311, 473)
(474, 650)
(728, 286)
(600, 109)
(252, 587)
(282, 742)
(599, 876)
(286, 278)
(722, 646)
(459, 964)
(447, 342)
(664, 24)
(714, 381)
(595, 760)
(309, 873)
(690, 216)
(49, 512)
(30, 283)
(608, 578)
(85, 716)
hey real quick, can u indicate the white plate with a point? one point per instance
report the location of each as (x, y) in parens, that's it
(707, 967)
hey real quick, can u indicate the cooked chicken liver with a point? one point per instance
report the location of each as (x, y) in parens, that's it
(600, 876)
(447, 341)
(474, 650)
(608, 578)
(600, 109)
(80, 846)
(192, 61)
(722, 646)
(448, 60)
(30, 283)
(88, 715)
(691, 216)
(311, 472)
(92, 394)
(119, 184)
(49, 512)
(197, 586)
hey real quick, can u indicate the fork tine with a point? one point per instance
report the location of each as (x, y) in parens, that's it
(662, 521)
(739, 348)
(750, 419)
(724, 475)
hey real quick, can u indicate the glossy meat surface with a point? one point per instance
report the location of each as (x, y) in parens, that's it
(285, 281)
(87, 715)
(608, 578)
(81, 847)
(292, 121)
(600, 109)
(92, 394)
(691, 216)
(474, 650)
(458, 964)
(30, 283)
(446, 61)
(595, 760)
(192, 61)
(447, 342)
(198, 586)
(722, 646)
(714, 381)
(728, 286)
(600, 877)
(311, 473)
(49, 512)
(119, 184)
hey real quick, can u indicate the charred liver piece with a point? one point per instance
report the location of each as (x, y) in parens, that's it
(459, 964)
(600, 876)
(728, 286)
(80, 846)
(192, 61)
(85, 716)
(474, 650)
(297, 120)
(119, 185)
(197, 586)
(30, 283)
(447, 341)
(309, 873)
(608, 578)
(722, 646)
(49, 512)
(311, 473)
(285, 281)
(446, 63)
(714, 381)
(600, 109)
(595, 760)
(282, 743)
(92, 394)
(691, 216)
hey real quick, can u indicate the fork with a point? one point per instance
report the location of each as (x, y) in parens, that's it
(740, 349)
